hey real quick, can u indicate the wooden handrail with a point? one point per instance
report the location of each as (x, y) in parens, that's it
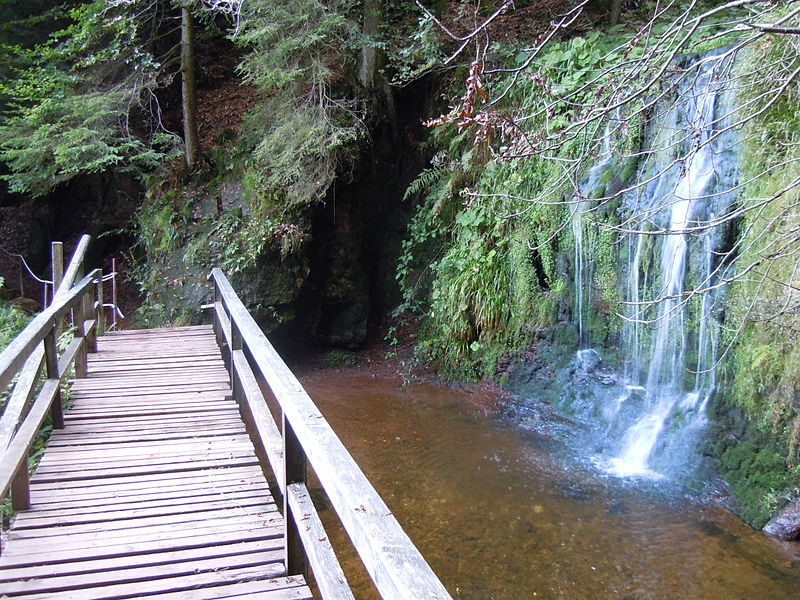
(396, 567)
(33, 350)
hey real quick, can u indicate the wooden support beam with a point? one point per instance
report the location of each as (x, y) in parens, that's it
(321, 558)
(395, 565)
(79, 323)
(54, 372)
(21, 488)
(294, 472)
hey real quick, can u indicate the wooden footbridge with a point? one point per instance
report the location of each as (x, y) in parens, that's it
(178, 470)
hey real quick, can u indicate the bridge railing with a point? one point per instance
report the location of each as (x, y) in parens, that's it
(34, 359)
(396, 567)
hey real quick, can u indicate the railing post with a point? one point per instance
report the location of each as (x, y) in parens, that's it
(294, 471)
(236, 344)
(90, 308)
(51, 362)
(57, 259)
(101, 312)
(21, 488)
(219, 334)
(79, 321)
(114, 291)
(57, 256)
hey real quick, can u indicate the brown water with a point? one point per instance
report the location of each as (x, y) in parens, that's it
(501, 513)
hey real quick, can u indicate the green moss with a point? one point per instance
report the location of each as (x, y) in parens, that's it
(629, 167)
(757, 412)
(341, 359)
(755, 468)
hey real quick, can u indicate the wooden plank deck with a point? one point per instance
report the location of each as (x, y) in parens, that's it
(153, 488)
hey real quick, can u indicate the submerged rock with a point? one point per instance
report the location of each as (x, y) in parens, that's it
(786, 524)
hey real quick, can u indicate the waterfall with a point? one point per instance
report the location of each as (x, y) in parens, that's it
(657, 407)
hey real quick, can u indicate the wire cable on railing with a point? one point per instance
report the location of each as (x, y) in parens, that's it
(116, 309)
(107, 277)
(33, 275)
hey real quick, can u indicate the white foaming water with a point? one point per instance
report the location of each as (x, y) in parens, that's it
(667, 346)
(579, 207)
(655, 409)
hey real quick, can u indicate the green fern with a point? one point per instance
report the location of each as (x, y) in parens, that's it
(425, 180)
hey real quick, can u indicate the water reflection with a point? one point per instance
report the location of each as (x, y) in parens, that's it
(503, 513)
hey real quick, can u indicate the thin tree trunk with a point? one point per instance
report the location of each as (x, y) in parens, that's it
(369, 53)
(616, 9)
(189, 101)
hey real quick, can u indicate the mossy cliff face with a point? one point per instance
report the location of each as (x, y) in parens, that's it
(757, 412)
(311, 273)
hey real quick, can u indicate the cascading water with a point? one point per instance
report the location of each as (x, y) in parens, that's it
(579, 206)
(669, 340)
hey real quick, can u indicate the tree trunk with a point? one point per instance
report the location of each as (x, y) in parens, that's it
(369, 53)
(616, 9)
(188, 88)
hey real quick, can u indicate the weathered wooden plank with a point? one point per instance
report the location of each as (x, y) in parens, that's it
(209, 406)
(144, 411)
(166, 423)
(119, 521)
(163, 585)
(147, 419)
(142, 350)
(265, 430)
(163, 433)
(107, 453)
(138, 351)
(44, 495)
(183, 331)
(88, 506)
(17, 451)
(139, 560)
(282, 588)
(149, 375)
(32, 541)
(127, 498)
(151, 367)
(141, 470)
(153, 459)
(159, 389)
(166, 357)
(97, 506)
(135, 575)
(143, 383)
(22, 394)
(223, 410)
(184, 506)
(61, 554)
(321, 557)
(145, 481)
(139, 445)
(84, 400)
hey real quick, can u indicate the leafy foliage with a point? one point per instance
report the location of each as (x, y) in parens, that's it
(494, 277)
(249, 210)
(304, 128)
(72, 99)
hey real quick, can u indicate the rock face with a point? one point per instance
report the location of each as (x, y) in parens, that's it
(786, 524)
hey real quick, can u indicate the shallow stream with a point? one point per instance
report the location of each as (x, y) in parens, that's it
(505, 512)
